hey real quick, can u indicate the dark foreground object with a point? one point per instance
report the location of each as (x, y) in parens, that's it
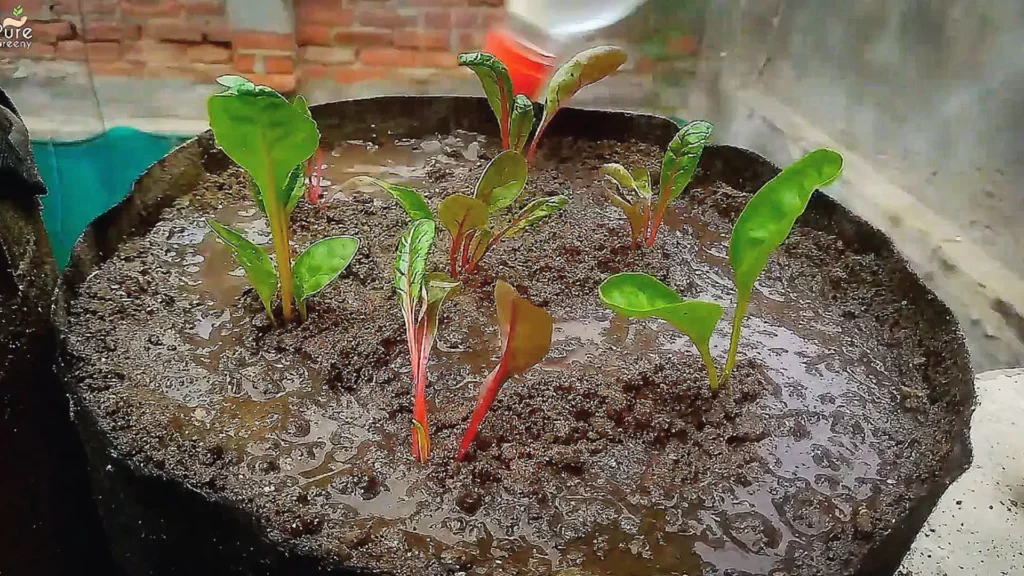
(221, 445)
(48, 524)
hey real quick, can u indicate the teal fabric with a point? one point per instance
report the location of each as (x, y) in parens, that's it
(87, 177)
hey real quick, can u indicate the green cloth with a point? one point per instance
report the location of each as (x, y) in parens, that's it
(87, 177)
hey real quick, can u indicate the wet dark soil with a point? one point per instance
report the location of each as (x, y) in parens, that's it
(611, 456)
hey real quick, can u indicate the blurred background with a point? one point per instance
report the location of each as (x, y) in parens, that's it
(925, 98)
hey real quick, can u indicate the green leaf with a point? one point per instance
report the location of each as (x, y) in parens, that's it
(233, 81)
(18, 12)
(294, 188)
(582, 70)
(302, 105)
(496, 82)
(620, 175)
(263, 132)
(257, 196)
(259, 269)
(638, 295)
(633, 215)
(536, 211)
(766, 221)
(478, 246)
(321, 263)
(460, 214)
(414, 203)
(642, 179)
(525, 329)
(769, 216)
(681, 159)
(411, 260)
(522, 123)
(502, 181)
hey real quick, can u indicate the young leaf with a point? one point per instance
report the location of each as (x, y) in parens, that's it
(321, 263)
(522, 123)
(678, 167)
(411, 260)
(302, 105)
(496, 82)
(642, 179)
(582, 70)
(536, 211)
(681, 159)
(261, 131)
(257, 196)
(502, 181)
(233, 81)
(460, 214)
(633, 215)
(525, 340)
(620, 175)
(412, 201)
(767, 220)
(294, 188)
(479, 245)
(641, 296)
(259, 269)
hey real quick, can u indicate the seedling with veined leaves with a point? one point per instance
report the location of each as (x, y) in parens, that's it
(515, 112)
(422, 294)
(525, 340)
(271, 138)
(635, 196)
(764, 224)
(467, 218)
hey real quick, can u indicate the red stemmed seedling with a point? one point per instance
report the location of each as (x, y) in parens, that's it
(525, 340)
(422, 294)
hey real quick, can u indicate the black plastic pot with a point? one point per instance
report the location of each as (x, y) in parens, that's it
(159, 526)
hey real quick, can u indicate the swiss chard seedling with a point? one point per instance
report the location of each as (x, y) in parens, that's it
(641, 296)
(271, 139)
(525, 340)
(766, 222)
(635, 197)
(422, 294)
(467, 218)
(515, 111)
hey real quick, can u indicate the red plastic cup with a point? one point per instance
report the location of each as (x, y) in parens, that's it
(528, 65)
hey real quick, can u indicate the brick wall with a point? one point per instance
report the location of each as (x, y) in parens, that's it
(347, 41)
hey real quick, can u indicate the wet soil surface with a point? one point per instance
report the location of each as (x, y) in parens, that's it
(611, 456)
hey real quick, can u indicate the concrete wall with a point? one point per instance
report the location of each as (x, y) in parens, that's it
(926, 99)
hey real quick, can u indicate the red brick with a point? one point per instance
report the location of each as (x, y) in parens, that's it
(204, 72)
(437, 60)
(278, 64)
(363, 37)
(423, 39)
(150, 8)
(52, 31)
(149, 52)
(104, 7)
(446, 3)
(111, 31)
(245, 62)
(92, 51)
(323, 13)
(281, 82)
(209, 54)
(220, 34)
(352, 75)
(172, 31)
(203, 7)
(314, 35)
(390, 57)
(493, 3)
(385, 18)
(119, 68)
(328, 54)
(40, 51)
(246, 40)
(467, 40)
(466, 18)
(438, 19)
(314, 71)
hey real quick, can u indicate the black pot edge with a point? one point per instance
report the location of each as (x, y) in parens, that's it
(180, 169)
